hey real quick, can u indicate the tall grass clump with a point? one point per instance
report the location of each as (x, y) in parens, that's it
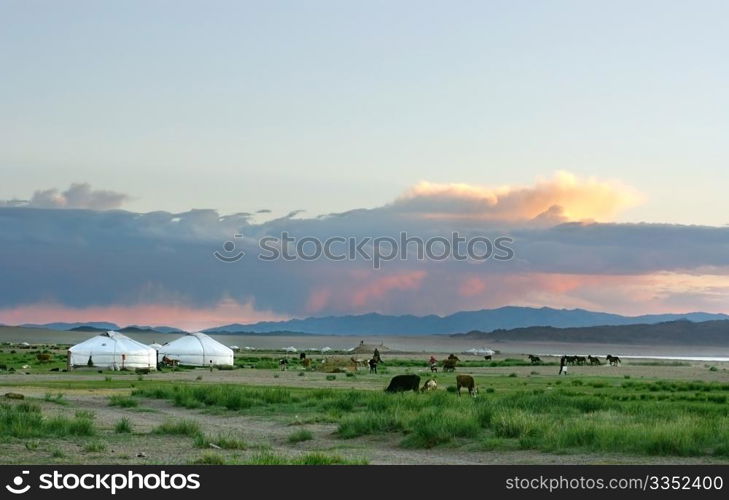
(26, 421)
(300, 435)
(123, 401)
(179, 428)
(123, 426)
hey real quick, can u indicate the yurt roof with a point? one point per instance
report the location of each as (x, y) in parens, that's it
(112, 341)
(196, 342)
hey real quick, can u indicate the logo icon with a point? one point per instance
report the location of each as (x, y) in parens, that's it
(19, 489)
(228, 254)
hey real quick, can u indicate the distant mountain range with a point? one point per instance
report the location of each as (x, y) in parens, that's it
(682, 332)
(102, 326)
(485, 320)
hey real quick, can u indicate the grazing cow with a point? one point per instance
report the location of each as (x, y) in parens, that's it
(613, 360)
(449, 365)
(302, 356)
(534, 359)
(429, 385)
(373, 365)
(467, 382)
(594, 360)
(306, 363)
(283, 363)
(402, 383)
(44, 358)
(580, 360)
(487, 357)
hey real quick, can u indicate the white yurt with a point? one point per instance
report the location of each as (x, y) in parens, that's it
(112, 350)
(197, 349)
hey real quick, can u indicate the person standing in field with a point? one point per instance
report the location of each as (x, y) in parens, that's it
(563, 365)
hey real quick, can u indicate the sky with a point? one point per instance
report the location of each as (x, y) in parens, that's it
(603, 121)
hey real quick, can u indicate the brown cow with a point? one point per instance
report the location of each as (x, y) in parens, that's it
(467, 382)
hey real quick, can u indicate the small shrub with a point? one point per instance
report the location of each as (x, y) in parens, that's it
(123, 426)
(179, 428)
(300, 435)
(123, 401)
(94, 447)
(57, 453)
(513, 375)
(331, 377)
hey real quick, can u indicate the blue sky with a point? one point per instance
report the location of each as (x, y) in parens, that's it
(564, 124)
(328, 106)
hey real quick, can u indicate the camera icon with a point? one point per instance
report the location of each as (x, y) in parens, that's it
(17, 487)
(229, 254)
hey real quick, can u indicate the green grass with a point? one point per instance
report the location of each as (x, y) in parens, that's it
(309, 459)
(587, 414)
(123, 401)
(123, 426)
(94, 447)
(300, 435)
(57, 398)
(179, 428)
(25, 420)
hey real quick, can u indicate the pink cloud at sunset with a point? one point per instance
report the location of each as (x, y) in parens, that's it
(564, 196)
(189, 318)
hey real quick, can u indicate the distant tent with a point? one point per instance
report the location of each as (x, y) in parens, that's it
(326, 349)
(291, 349)
(235, 348)
(112, 350)
(479, 352)
(197, 349)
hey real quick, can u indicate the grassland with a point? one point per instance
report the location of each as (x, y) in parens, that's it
(641, 412)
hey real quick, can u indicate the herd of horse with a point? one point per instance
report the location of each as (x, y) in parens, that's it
(581, 360)
(411, 382)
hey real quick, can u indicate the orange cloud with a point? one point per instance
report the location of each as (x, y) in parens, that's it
(564, 197)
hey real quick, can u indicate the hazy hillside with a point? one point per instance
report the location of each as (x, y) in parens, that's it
(483, 320)
(713, 333)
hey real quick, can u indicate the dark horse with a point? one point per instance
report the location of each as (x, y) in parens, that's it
(449, 365)
(534, 359)
(613, 360)
(593, 360)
